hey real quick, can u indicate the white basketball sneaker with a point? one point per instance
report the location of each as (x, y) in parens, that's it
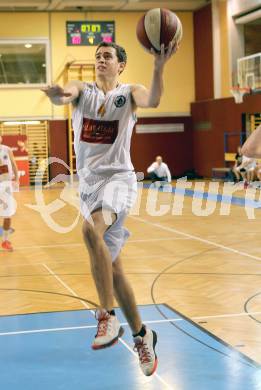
(145, 346)
(108, 330)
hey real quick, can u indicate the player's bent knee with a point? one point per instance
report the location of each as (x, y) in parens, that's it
(92, 232)
(117, 270)
(89, 231)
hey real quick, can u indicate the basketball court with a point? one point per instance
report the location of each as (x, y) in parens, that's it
(193, 257)
(196, 284)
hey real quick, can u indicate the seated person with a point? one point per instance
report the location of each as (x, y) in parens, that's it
(238, 162)
(247, 169)
(258, 172)
(159, 171)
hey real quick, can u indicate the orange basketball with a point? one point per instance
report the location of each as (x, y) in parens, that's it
(158, 26)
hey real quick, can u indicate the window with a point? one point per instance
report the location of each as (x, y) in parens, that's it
(252, 34)
(24, 63)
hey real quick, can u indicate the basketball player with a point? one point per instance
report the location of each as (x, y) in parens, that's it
(103, 120)
(8, 172)
(159, 171)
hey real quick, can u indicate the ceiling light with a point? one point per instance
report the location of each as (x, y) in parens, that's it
(28, 45)
(12, 123)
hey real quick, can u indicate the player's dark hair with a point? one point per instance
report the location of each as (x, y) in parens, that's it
(120, 51)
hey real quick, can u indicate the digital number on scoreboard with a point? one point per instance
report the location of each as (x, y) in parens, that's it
(89, 33)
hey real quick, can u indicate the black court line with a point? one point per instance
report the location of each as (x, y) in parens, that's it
(46, 292)
(246, 310)
(245, 357)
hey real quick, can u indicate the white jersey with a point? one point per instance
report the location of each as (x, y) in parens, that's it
(161, 170)
(6, 171)
(7, 202)
(103, 126)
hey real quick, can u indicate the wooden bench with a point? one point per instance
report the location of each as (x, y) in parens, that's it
(221, 172)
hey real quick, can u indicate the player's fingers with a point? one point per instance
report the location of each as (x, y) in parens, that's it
(176, 47)
(170, 49)
(45, 89)
(57, 90)
(162, 49)
(154, 52)
(52, 88)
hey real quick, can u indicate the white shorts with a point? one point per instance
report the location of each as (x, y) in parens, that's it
(7, 201)
(116, 193)
(248, 168)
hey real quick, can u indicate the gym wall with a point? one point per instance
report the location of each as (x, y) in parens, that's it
(211, 117)
(178, 88)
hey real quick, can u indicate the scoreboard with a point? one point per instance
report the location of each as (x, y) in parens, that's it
(89, 33)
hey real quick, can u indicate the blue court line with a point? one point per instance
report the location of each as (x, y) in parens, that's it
(205, 195)
(64, 360)
(212, 197)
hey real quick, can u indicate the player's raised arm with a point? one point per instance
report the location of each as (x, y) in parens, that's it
(145, 98)
(66, 95)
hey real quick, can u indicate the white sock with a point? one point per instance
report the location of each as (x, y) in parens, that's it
(5, 235)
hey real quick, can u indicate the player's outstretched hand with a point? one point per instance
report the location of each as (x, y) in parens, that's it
(164, 55)
(55, 91)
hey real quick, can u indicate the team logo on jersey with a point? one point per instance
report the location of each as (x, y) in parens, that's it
(120, 101)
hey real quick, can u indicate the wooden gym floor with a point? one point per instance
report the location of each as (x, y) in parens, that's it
(205, 267)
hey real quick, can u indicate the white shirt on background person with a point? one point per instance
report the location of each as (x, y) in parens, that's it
(161, 170)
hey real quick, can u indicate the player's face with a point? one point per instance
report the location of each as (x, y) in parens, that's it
(159, 160)
(107, 63)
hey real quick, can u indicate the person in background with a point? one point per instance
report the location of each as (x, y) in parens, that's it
(247, 169)
(238, 162)
(258, 174)
(8, 172)
(159, 171)
(22, 149)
